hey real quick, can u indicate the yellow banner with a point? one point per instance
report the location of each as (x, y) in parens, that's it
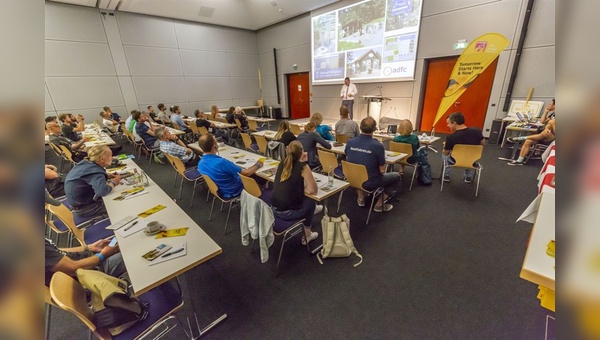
(480, 53)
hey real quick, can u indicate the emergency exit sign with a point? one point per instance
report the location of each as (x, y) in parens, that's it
(460, 44)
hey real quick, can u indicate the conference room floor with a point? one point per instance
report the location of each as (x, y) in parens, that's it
(439, 265)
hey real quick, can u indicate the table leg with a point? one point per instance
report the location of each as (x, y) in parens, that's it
(190, 332)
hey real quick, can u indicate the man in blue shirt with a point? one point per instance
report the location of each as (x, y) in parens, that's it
(369, 152)
(223, 172)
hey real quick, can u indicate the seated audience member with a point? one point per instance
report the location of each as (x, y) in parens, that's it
(151, 113)
(284, 134)
(223, 172)
(173, 146)
(53, 181)
(97, 255)
(163, 117)
(405, 129)
(76, 148)
(146, 132)
(293, 180)
(366, 150)
(177, 119)
(309, 139)
(71, 125)
(214, 112)
(49, 119)
(113, 115)
(461, 135)
(230, 116)
(323, 130)
(546, 137)
(345, 126)
(109, 123)
(210, 126)
(240, 115)
(549, 112)
(88, 182)
(131, 121)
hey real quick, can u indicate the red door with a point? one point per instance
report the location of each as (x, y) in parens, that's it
(298, 95)
(473, 103)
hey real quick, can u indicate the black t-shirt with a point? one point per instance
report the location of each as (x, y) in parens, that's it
(203, 122)
(230, 118)
(287, 137)
(67, 131)
(469, 136)
(243, 121)
(288, 195)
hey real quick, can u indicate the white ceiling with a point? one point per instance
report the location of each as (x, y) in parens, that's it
(247, 14)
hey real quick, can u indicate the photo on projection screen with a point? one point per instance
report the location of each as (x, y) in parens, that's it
(370, 41)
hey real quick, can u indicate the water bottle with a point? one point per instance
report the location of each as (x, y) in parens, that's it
(433, 132)
(136, 177)
(144, 179)
(330, 177)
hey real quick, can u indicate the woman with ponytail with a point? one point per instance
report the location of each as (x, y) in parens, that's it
(292, 181)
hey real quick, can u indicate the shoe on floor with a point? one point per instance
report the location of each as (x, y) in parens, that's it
(386, 207)
(313, 236)
(446, 178)
(515, 163)
(318, 208)
(157, 160)
(468, 180)
(512, 139)
(360, 203)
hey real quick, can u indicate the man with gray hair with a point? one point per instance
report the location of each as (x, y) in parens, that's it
(172, 145)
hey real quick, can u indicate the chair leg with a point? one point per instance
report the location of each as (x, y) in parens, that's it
(228, 214)
(339, 201)
(180, 188)
(280, 252)
(193, 194)
(371, 209)
(413, 176)
(442, 177)
(211, 209)
(478, 178)
(175, 179)
(222, 206)
(207, 194)
(47, 326)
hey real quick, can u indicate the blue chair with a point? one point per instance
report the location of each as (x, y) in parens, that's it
(287, 229)
(162, 301)
(59, 227)
(253, 189)
(90, 234)
(190, 174)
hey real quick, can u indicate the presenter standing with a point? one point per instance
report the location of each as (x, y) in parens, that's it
(347, 94)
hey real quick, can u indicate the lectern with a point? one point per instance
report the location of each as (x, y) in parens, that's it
(374, 105)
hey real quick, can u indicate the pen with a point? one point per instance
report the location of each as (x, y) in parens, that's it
(173, 252)
(134, 223)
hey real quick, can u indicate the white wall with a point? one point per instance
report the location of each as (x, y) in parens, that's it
(443, 22)
(129, 61)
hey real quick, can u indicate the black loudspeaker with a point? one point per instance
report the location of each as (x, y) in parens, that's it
(495, 132)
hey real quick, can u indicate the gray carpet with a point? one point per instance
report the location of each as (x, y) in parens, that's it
(439, 265)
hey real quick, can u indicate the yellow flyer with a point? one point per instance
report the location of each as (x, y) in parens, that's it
(151, 211)
(173, 232)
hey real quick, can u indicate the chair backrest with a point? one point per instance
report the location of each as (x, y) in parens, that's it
(261, 141)
(56, 150)
(175, 125)
(465, 155)
(194, 128)
(356, 174)
(402, 148)
(252, 125)
(66, 216)
(295, 129)
(67, 154)
(251, 186)
(212, 186)
(260, 102)
(341, 138)
(238, 123)
(69, 295)
(328, 160)
(202, 130)
(247, 140)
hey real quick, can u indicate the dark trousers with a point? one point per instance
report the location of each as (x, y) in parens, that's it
(306, 211)
(350, 105)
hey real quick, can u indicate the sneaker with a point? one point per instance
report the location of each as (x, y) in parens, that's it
(157, 160)
(446, 178)
(313, 236)
(468, 180)
(511, 139)
(514, 163)
(360, 203)
(385, 207)
(318, 208)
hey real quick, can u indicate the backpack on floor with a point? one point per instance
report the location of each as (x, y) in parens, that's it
(114, 307)
(424, 168)
(336, 239)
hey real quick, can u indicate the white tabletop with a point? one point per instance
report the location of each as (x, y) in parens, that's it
(538, 267)
(390, 156)
(268, 134)
(261, 119)
(422, 139)
(217, 124)
(246, 159)
(97, 138)
(200, 247)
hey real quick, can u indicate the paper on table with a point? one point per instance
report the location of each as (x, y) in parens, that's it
(141, 224)
(174, 248)
(138, 194)
(122, 222)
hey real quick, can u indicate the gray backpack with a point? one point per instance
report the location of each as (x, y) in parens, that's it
(337, 241)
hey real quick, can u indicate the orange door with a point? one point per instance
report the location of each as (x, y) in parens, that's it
(473, 103)
(298, 95)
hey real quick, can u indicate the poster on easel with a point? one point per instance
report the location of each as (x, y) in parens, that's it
(533, 109)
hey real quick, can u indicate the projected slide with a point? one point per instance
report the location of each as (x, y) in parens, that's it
(374, 40)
